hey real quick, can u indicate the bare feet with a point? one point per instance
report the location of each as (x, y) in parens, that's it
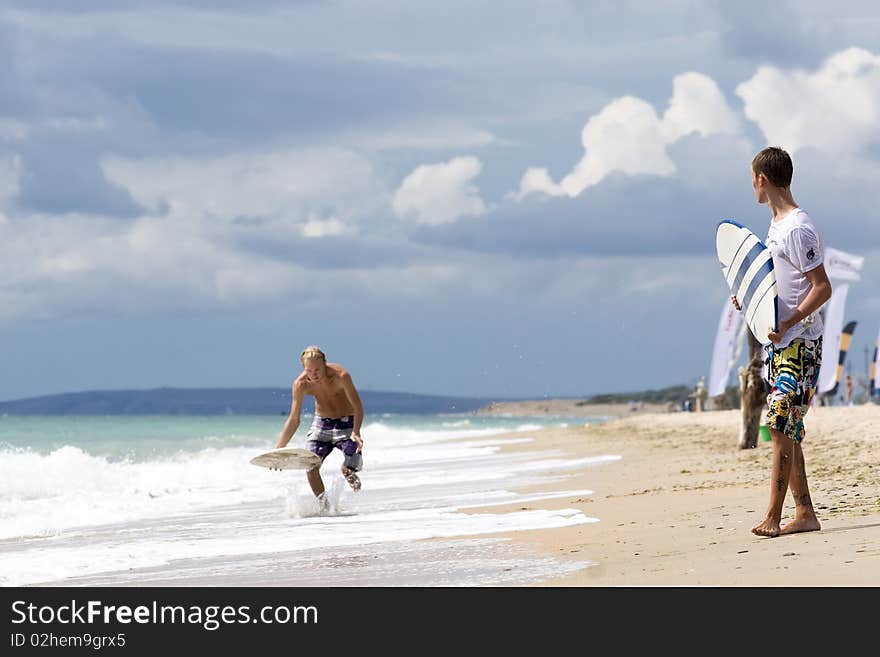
(323, 503)
(809, 524)
(767, 528)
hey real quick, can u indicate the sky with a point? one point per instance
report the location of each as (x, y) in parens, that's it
(504, 199)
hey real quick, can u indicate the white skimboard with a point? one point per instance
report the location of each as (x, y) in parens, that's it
(747, 266)
(287, 458)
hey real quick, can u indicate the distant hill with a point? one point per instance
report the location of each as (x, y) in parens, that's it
(671, 394)
(223, 401)
(276, 401)
(675, 394)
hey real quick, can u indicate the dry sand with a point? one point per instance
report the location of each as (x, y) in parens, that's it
(677, 509)
(571, 408)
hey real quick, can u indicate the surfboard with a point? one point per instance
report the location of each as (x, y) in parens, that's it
(287, 458)
(747, 266)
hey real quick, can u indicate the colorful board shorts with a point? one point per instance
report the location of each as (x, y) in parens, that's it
(327, 433)
(793, 374)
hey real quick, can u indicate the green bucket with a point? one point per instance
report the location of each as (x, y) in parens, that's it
(765, 432)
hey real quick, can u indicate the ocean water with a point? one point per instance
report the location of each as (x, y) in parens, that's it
(173, 500)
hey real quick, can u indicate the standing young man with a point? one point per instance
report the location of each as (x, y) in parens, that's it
(796, 346)
(337, 421)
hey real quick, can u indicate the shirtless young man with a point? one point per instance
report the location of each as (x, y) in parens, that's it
(338, 417)
(796, 346)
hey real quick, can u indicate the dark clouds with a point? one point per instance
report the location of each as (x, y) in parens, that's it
(794, 34)
(16, 93)
(84, 6)
(528, 290)
(85, 97)
(751, 32)
(236, 95)
(60, 174)
(243, 96)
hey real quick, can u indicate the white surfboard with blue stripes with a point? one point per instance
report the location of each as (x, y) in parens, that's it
(747, 266)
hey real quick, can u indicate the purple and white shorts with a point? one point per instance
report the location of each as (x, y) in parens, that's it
(327, 433)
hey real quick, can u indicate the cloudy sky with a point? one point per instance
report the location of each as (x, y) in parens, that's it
(511, 199)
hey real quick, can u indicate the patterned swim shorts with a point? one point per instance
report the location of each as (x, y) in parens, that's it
(327, 433)
(793, 374)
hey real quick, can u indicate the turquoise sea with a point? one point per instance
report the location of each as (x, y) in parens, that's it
(140, 500)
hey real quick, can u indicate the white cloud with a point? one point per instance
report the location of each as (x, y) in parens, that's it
(628, 136)
(835, 108)
(206, 241)
(440, 193)
(54, 266)
(441, 133)
(538, 180)
(266, 184)
(212, 233)
(315, 227)
(697, 105)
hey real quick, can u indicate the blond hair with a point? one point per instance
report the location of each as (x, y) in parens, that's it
(312, 352)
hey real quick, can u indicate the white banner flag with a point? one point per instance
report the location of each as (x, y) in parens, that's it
(845, 266)
(831, 338)
(725, 347)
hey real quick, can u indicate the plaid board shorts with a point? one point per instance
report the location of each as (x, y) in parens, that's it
(329, 433)
(793, 374)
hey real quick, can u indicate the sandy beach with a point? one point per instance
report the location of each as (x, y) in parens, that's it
(677, 509)
(644, 499)
(571, 408)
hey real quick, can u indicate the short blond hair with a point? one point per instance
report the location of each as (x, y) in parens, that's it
(312, 352)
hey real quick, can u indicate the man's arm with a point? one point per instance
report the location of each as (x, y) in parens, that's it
(292, 423)
(820, 292)
(355, 399)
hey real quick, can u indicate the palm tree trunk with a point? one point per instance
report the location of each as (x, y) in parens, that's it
(751, 389)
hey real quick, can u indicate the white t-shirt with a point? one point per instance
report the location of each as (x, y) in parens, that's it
(796, 247)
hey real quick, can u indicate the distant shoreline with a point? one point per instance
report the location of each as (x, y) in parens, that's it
(222, 401)
(276, 401)
(573, 408)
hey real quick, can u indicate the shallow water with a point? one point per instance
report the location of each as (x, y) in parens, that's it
(204, 515)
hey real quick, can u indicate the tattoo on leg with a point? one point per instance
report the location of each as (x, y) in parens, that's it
(803, 500)
(780, 483)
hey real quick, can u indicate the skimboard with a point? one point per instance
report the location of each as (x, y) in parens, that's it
(747, 265)
(287, 458)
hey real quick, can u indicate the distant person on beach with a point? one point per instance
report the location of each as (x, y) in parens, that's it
(337, 421)
(796, 346)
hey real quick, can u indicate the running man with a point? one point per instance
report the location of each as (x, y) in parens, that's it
(338, 417)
